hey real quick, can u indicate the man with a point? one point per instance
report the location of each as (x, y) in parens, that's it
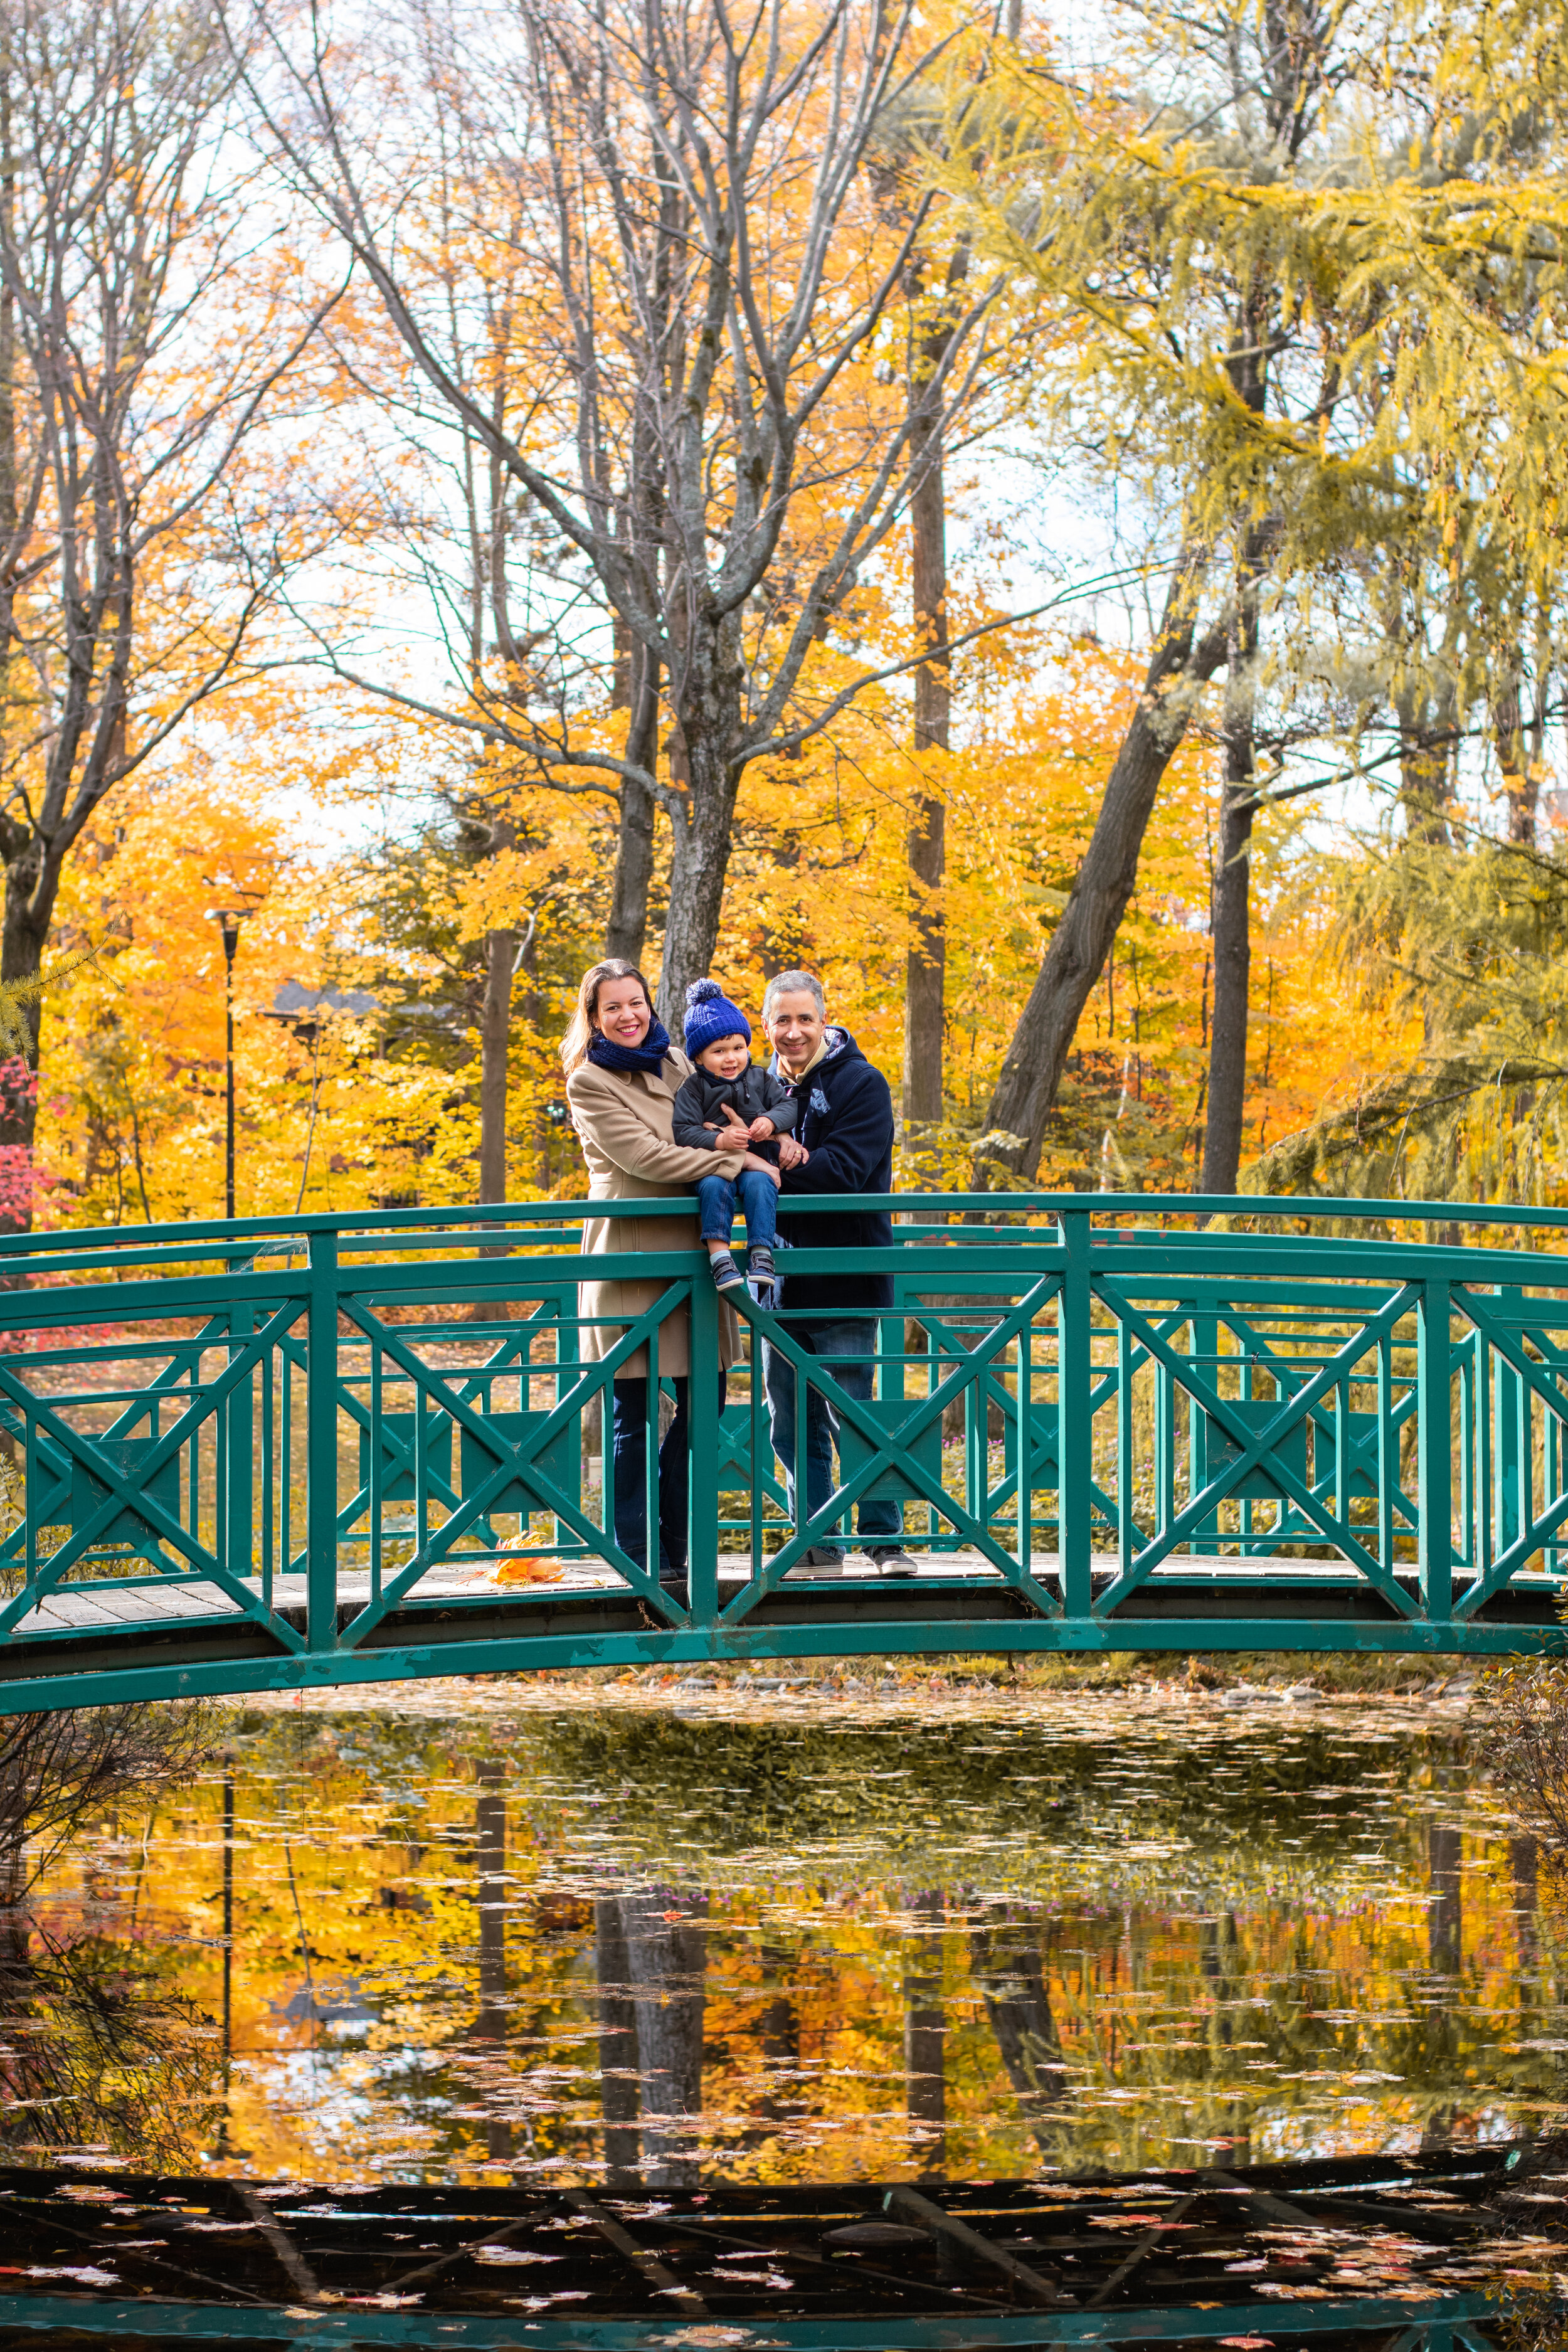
(846, 1125)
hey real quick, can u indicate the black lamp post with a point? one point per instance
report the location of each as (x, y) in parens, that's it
(231, 919)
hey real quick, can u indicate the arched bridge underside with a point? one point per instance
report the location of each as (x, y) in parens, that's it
(279, 1454)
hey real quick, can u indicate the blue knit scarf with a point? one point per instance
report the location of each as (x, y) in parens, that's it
(649, 1055)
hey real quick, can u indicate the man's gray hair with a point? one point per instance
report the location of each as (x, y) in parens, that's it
(785, 983)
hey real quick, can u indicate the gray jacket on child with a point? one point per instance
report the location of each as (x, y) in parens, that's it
(755, 1094)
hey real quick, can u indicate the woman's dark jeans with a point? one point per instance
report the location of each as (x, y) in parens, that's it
(630, 1442)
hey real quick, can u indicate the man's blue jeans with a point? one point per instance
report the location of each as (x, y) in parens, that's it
(759, 1202)
(879, 1521)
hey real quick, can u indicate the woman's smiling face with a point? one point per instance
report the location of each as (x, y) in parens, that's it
(622, 1013)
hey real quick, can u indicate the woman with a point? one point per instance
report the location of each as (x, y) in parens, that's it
(622, 1077)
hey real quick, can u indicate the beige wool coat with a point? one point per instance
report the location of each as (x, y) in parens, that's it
(624, 1122)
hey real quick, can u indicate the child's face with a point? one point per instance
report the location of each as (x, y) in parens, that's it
(726, 1057)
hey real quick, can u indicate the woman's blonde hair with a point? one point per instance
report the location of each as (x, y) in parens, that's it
(585, 1021)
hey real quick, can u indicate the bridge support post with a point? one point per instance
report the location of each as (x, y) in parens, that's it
(322, 1447)
(703, 1523)
(1434, 1408)
(239, 1431)
(1075, 1421)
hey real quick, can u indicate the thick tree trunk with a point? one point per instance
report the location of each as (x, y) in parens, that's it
(1232, 916)
(22, 937)
(926, 974)
(495, 1028)
(1426, 736)
(710, 724)
(1232, 981)
(1519, 761)
(626, 933)
(24, 934)
(637, 677)
(1031, 1073)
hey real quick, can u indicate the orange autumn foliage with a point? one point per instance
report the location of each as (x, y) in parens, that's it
(132, 1114)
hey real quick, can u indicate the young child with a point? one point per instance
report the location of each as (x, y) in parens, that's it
(725, 1091)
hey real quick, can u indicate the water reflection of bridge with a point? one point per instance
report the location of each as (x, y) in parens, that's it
(297, 1452)
(1337, 2253)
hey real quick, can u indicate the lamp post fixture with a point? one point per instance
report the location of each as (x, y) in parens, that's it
(231, 919)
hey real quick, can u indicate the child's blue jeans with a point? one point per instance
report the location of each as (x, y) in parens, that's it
(759, 1202)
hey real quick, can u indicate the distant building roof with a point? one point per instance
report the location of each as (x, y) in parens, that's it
(293, 1000)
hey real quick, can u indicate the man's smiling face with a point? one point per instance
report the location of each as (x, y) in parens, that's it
(794, 1024)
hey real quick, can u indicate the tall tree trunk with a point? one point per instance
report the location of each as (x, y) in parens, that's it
(1516, 759)
(1031, 1073)
(626, 933)
(495, 1029)
(708, 724)
(1232, 913)
(1427, 722)
(926, 972)
(22, 939)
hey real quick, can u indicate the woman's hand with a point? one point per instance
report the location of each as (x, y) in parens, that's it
(791, 1153)
(732, 1136)
(754, 1161)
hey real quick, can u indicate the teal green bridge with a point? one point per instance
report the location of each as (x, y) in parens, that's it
(281, 1454)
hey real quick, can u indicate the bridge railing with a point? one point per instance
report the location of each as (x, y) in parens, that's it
(329, 1448)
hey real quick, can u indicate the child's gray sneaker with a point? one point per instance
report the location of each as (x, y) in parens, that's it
(727, 1274)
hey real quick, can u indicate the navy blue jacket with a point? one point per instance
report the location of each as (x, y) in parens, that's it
(847, 1125)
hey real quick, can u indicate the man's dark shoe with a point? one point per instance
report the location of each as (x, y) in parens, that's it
(727, 1274)
(676, 1588)
(892, 1560)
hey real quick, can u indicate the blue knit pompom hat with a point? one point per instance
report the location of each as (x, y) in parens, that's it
(710, 1015)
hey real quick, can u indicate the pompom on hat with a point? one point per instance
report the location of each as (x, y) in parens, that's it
(710, 1015)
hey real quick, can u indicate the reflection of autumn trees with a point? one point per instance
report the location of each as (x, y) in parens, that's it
(98, 2053)
(94, 2047)
(702, 1952)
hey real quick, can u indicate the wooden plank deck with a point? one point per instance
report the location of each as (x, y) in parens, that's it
(87, 1604)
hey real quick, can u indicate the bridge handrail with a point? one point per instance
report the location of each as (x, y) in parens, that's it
(171, 1242)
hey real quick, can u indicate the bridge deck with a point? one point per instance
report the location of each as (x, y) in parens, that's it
(964, 1579)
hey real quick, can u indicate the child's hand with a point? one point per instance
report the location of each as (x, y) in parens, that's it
(760, 1129)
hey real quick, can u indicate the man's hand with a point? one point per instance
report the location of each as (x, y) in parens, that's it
(791, 1153)
(761, 1128)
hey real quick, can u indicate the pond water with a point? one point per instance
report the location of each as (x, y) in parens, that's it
(741, 1933)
